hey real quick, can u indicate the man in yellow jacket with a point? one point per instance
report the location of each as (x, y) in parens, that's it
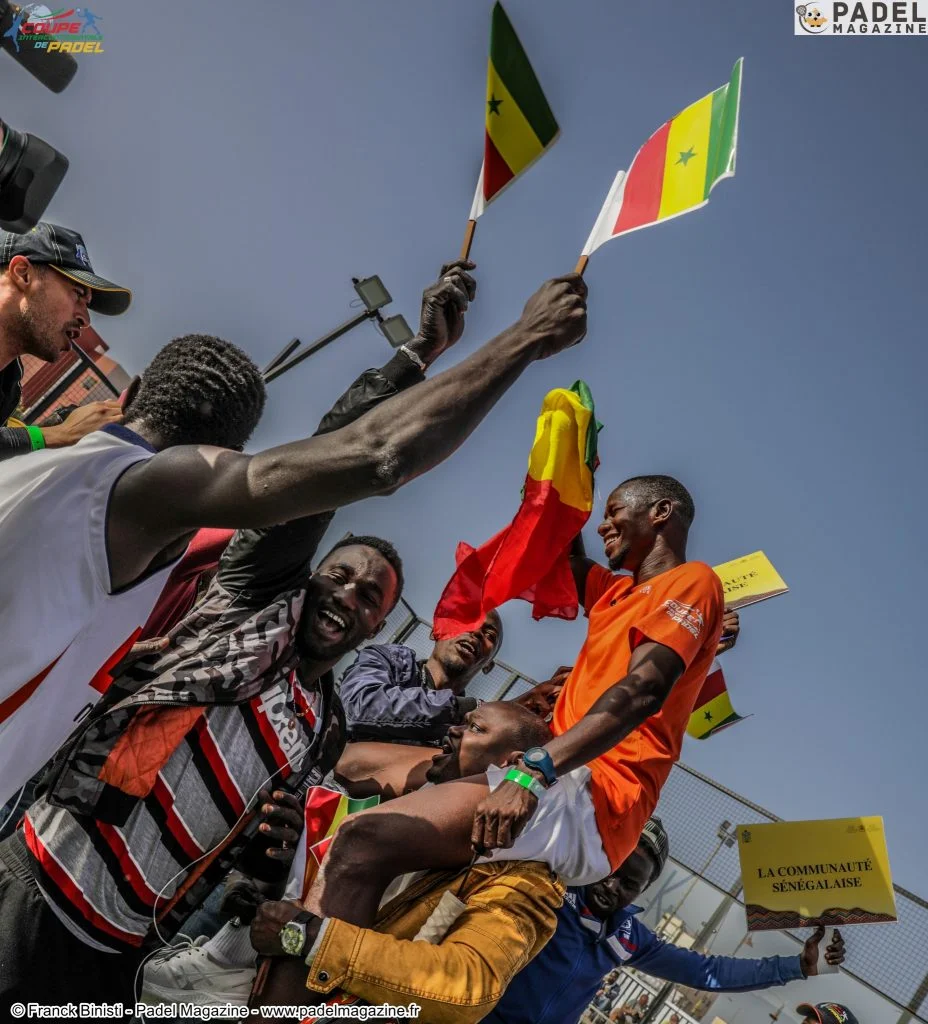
(511, 912)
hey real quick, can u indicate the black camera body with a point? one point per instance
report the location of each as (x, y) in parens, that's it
(30, 169)
(30, 172)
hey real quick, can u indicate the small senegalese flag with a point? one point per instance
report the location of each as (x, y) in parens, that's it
(519, 122)
(713, 710)
(677, 168)
(529, 558)
(324, 811)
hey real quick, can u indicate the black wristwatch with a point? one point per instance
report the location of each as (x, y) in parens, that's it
(293, 934)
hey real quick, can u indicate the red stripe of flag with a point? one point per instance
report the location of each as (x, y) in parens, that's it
(71, 891)
(713, 687)
(496, 172)
(173, 821)
(641, 201)
(321, 808)
(221, 772)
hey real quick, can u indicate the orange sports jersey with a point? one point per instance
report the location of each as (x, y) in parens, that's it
(681, 609)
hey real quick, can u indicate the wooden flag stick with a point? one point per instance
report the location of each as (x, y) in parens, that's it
(581, 265)
(468, 239)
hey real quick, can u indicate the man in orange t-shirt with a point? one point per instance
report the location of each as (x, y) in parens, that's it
(580, 802)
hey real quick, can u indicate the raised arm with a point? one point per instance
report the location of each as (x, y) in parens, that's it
(261, 563)
(697, 970)
(580, 565)
(160, 501)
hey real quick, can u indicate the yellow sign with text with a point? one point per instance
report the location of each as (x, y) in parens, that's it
(805, 873)
(749, 579)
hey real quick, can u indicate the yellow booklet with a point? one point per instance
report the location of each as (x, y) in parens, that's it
(749, 579)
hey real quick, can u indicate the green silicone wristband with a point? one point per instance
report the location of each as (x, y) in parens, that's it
(526, 781)
(36, 437)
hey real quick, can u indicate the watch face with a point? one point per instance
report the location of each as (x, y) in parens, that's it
(292, 936)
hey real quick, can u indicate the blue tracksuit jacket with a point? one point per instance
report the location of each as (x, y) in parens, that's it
(558, 985)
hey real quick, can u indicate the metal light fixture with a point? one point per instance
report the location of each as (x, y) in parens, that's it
(396, 330)
(372, 293)
(375, 296)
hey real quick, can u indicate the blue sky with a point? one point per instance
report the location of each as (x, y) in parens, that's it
(237, 170)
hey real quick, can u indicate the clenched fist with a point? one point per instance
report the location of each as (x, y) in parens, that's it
(556, 314)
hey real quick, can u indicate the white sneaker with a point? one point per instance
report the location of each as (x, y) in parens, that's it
(186, 973)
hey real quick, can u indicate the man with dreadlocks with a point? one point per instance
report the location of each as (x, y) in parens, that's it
(116, 511)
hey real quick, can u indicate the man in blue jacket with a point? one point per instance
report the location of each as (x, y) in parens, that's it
(598, 930)
(388, 694)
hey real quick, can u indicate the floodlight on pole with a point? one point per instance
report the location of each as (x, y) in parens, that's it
(396, 330)
(373, 293)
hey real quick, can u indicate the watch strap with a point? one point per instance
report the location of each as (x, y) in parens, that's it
(413, 357)
(526, 781)
(537, 759)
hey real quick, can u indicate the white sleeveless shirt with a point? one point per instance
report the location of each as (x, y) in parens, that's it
(60, 624)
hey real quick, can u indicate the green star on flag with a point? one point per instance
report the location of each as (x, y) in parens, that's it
(686, 157)
(712, 711)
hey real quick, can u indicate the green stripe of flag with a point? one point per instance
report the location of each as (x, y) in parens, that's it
(362, 804)
(724, 126)
(514, 69)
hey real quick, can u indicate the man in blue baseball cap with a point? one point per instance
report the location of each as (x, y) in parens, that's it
(47, 290)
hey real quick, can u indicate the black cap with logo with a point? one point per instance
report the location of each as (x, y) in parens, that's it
(64, 250)
(827, 1013)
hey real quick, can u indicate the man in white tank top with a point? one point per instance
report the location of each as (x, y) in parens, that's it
(88, 534)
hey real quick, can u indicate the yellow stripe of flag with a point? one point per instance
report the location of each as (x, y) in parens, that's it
(511, 133)
(685, 162)
(719, 708)
(559, 451)
(338, 817)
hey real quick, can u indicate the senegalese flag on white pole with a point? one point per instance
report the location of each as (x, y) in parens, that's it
(676, 169)
(520, 126)
(713, 710)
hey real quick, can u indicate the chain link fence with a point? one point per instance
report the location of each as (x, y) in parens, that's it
(891, 960)
(52, 391)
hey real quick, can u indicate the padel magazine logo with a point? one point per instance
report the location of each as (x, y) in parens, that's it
(861, 18)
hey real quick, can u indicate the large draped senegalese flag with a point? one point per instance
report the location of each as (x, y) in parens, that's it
(324, 811)
(519, 122)
(713, 710)
(529, 558)
(677, 168)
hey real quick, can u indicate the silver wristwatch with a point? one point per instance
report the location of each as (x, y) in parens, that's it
(293, 934)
